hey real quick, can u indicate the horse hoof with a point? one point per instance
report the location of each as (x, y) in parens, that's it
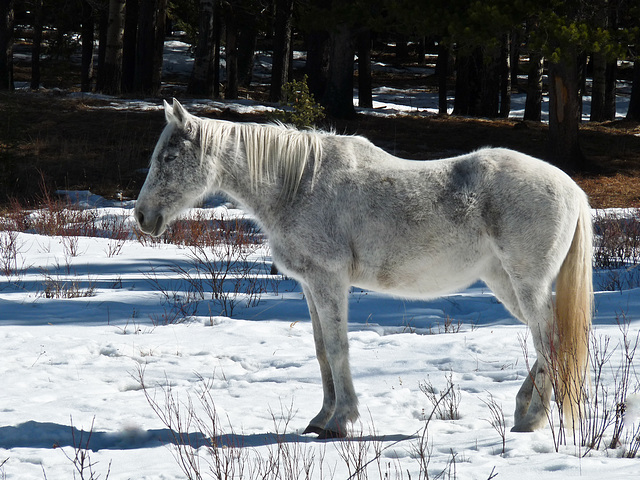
(522, 428)
(330, 435)
(313, 429)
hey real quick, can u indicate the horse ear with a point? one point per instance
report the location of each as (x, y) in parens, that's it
(168, 112)
(180, 115)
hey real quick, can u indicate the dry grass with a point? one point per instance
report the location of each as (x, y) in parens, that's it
(617, 190)
(71, 146)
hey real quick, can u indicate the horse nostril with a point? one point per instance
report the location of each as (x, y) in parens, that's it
(140, 217)
(158, 226)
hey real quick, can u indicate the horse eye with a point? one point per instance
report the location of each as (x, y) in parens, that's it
(170, 158)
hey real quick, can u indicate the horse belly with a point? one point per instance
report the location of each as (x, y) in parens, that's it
(423, 278)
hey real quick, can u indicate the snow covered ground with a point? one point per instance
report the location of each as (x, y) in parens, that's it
(72, 365)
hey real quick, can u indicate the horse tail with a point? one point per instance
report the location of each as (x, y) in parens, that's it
(573, 311)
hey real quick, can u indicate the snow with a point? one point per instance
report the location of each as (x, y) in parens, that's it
(72, 365)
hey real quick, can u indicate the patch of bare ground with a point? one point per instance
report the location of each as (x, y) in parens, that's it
(71, 144)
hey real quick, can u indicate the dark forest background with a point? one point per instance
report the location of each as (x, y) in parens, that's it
(482, 52)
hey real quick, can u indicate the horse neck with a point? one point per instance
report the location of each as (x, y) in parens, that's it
(260, 198)
(261, 175)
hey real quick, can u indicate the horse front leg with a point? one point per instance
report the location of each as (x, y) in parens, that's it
(340, 404)
(329, 398)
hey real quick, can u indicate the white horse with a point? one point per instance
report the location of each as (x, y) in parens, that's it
(339, 211)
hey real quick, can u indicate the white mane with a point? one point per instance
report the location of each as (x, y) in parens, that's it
(271, 151)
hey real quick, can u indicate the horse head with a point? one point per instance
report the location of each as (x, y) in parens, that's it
(177, 176)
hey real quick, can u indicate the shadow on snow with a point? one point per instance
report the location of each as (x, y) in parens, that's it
(34, 434)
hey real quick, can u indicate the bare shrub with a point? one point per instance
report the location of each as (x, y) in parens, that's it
(289, 459)
(446, 402)
(226, 275)
(57, 217)
(422, 449)
(220, 269)
(81, 456)
(603, 395)
(598, 411)
(60, 287)
(617, 249)
(114, 247)
(450, 325)
(117, 229)
(214, 453)
(497, 420)
(3, 475)
(15, 217)
(177, 299)
(622, 378)
(355, 455)
(634, 442)
(203, 449)
(198, 229)
(10, 248)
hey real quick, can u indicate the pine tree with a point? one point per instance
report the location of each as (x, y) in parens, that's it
(281, 47)
(201, 80)
(6, 45)
(111, 74)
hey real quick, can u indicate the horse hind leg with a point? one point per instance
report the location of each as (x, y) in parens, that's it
(533, 398)
(523, 398)
(537, 388)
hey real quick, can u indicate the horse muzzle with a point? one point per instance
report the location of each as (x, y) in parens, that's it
(151, 223)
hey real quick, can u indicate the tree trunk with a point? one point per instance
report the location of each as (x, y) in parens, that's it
(365, 94)
(564, 115)
(442, 70)
(598, 88)
(145, 41)
(634, 102)
(462, 96)
(217, 40)
(533, 103)
(281, 48)
(158, 45)
(402, 49)
(86, 34)
(6, 45)
(201, 80)
(149, 47)
(603, 98)
(231, 56)
(103, 26)
(317, 66)
(422, 51)
(514, 62)
(505, 77)
(338, 97)
(36, 12)
(610, 90)
(112, 68)
(582, 82)
(129, 44)
(247, 39)
(489, 84)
